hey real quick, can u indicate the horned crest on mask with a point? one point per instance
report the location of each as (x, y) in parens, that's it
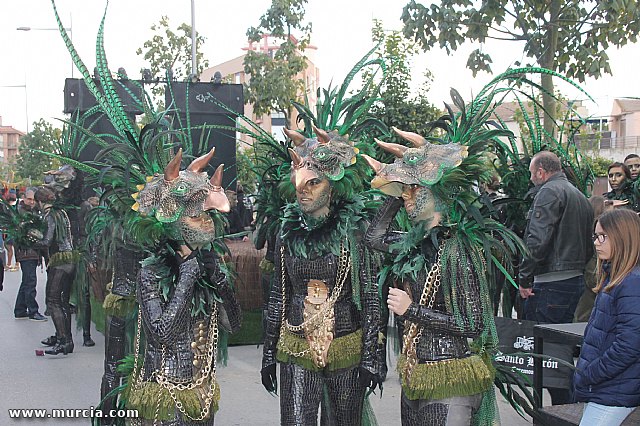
(178, 193)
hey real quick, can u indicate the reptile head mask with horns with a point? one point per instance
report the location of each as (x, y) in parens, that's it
(183, 197)
(415, 170)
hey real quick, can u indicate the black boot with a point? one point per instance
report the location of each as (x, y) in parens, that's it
(50, 341)
(62, 347)
(88, 341)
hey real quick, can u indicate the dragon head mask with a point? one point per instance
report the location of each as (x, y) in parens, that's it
(415, 171)
(182, 198)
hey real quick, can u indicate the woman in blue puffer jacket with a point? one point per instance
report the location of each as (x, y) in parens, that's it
(607, 376)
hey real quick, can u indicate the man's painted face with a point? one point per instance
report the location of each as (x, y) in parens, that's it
(634, 167)
(197, 231)
(233, 198)
(314, 197)
(616, 177)
(420, 204)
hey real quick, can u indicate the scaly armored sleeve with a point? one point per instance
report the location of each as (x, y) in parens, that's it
(467, 301)
(370, 314)
(274, 311)
(379, 236)
(162, 318)
(230, 313)
(49, 235)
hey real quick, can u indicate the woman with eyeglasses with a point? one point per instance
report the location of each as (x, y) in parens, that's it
(607, 376)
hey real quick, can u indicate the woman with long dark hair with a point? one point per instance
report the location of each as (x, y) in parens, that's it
(608, 372)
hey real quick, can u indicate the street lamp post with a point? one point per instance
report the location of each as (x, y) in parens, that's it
(70, 29)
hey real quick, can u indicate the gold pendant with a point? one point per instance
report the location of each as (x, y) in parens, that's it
(318, 327)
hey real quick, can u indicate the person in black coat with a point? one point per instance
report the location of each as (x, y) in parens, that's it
(607, 376)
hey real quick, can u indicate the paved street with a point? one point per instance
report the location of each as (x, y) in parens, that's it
(73, 381)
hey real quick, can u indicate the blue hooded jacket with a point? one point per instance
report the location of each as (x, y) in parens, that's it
(608, 371)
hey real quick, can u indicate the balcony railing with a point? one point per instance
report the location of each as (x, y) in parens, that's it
(592, 142)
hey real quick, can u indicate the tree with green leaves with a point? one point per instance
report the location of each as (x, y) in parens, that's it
(31, 164)
(274, 80)
(396, 106)
(567, 36)
(170, 49)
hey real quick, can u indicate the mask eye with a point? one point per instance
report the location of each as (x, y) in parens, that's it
(180, 188)
(411, 159)
(321, 154)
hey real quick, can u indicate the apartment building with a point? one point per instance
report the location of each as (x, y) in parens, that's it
(9, 141)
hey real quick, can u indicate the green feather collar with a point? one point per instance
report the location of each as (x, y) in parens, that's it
(307, 237)
(204, 293)
(416, 249)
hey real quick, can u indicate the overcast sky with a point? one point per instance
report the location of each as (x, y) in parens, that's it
(341, 32)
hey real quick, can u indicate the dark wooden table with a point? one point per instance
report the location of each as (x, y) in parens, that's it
(569, 334)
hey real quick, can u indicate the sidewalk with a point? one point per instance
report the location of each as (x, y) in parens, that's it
(73, 381)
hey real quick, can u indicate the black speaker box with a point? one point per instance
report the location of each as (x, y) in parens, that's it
(204, 108)
(78, 97)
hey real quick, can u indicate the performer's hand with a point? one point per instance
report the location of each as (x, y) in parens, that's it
(269, 381)
(369, 380)
(398, 301)
(184, 252)
(526, 292)
(211, 263)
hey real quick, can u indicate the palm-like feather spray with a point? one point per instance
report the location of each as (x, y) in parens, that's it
(24, 228)
(347, 115)
(106, 97)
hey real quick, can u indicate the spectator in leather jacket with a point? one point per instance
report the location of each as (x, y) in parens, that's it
(26, 305)
(559, 226)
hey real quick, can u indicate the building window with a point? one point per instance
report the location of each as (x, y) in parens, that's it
(277, 125)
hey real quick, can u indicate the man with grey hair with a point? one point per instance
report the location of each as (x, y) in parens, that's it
(558, 236)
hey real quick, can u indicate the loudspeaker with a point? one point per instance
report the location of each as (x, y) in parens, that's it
(204, 103)
(78, 97)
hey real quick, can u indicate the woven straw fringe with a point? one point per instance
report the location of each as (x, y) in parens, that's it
(447, 378)
(118, 306)
(150, 396)
(344, 352)
(63, 257)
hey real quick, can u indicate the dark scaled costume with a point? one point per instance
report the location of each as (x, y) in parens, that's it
(443, 270)
(323, 311)
(62, 258)
(181, 291)
(182, 295)
(119, 306)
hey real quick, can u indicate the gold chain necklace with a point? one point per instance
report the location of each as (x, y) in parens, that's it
(344, 264)
(413, 334)
(208, 372)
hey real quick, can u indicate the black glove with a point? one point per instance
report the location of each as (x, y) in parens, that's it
(369, 380)
(211, 264)
(269, 381)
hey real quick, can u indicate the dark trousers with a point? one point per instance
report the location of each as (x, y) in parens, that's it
(59, 280)
(26, 301)
(555, 302)
(301, 391)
